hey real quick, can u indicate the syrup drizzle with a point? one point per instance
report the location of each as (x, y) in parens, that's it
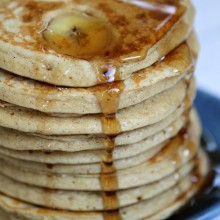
(108, 180)
(133, 28)
(128, 47)
(188, 100)
(137, 22)
(107, 73)
(108, 96)
(178, 149)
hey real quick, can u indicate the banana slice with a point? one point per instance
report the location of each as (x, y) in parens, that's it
(81, 36)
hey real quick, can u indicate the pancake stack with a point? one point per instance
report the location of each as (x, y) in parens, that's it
(96, 109)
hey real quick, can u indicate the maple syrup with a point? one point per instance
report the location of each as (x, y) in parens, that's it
(108, 97)
(177, 150)
(109, 35)
(124, 34)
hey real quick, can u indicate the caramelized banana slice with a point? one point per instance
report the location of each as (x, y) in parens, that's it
(81, 36)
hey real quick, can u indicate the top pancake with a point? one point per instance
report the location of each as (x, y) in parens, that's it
(139, 87)
(139, 34)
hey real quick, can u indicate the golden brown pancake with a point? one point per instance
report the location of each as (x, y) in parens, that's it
(167, 203)
(140, 86)
(96, 115)
(143, 114)
(129, 43)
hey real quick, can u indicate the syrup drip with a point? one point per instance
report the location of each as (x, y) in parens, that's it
(125, 32)
(109, 182)
(185, 152)
(129, 47)
(107, 73)
(108, 96)
(197, 183)
(181, 148)
(108, 177)
(177, 150)
(188, 99)
(204, 184)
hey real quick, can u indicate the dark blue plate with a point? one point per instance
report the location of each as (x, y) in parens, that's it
(207, 206)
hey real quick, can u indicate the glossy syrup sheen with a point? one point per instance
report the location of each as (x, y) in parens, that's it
(127, 29)
(134, 23)
(108, 177)
(179, 148)
(134, 26)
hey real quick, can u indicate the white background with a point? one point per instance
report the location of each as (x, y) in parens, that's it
(208, 30)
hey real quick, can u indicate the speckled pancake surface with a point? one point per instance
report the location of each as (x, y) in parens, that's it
(204, 166)
(170, 158)
(96, 109)
(96, 156)
(16, 140)
(123, 44)
(145, 113)
(177, 195)
(140, 86)
(89, 201)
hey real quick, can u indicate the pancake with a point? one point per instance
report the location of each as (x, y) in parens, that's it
(61, 162)
(164, 214)
(174, 155)
(127, 212)
(25, 37)
(183, 192)
(16, 140)
(96, 109)
(140, 115)
(96, 156)
(82, 168)
(88, 201)
(139, 87)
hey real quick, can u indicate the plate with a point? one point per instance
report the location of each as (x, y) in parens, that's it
(207, 206)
